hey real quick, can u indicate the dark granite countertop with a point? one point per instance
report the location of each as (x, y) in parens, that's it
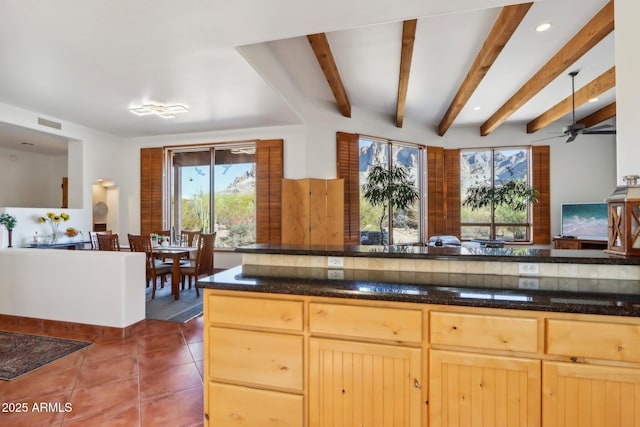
(568, 295)
(466, 252)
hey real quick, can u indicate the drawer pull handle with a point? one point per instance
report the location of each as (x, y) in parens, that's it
(417, 384)
(619, 348)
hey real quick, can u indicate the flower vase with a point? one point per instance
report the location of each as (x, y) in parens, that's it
(10, 235)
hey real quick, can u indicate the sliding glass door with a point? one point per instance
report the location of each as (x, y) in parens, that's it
(213, 189)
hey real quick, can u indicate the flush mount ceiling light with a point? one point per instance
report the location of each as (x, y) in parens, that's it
(543, 27)
(164, 111)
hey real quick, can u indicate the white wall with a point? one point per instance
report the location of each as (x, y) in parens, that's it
(627, 87)
(89, 287)
(31, 179)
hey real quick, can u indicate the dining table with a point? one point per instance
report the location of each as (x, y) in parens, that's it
(175, 253)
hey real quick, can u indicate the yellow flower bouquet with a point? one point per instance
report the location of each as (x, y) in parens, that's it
(54, 221)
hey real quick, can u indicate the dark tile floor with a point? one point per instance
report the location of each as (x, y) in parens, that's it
(153, 378)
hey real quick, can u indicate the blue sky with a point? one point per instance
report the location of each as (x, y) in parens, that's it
(196, 178)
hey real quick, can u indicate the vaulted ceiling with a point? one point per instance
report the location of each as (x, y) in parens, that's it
(445, 64)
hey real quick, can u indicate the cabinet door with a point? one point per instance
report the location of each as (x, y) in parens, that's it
(468, 389)
(577, 394)
(360, 384)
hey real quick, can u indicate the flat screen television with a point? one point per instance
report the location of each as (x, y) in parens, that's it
(585, 221)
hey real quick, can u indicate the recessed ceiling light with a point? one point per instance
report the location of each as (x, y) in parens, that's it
(594, 99)
(543, 27)
(164, 111)
(476, 108)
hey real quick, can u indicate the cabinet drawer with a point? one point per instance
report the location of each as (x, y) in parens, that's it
(611, 341)
(240, 406)
(484, 331)
(402, 325)
(257, 358)
(260, 312)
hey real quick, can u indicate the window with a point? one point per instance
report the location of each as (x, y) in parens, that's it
(227, 172)
(400, 226)
(494, 167)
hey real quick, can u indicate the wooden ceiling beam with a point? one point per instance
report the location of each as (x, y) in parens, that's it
(601, 25)
(601, 84)
(506, 24)
(408, 38)
(605, 113)
(322, 50)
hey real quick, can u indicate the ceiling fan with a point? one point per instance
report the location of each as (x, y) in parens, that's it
(575, 129)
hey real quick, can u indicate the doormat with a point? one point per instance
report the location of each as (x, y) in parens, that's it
(22, 353)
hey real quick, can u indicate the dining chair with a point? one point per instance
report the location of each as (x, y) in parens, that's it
(203, 264)
(189, 238)
(154, 268)
(108, 242)
(93, 237)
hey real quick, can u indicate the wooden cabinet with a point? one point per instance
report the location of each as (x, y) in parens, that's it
(469, 388)
(254, 361)
(583, 395)
(294, 360)
(367, 374)
(574, 243)
(473, 389)
(364, 384)
(313, 211)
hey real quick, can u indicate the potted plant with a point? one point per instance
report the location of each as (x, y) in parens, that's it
(9, 222)
(389, 188)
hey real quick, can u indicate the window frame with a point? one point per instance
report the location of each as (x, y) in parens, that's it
(173, 191)
(420, 178)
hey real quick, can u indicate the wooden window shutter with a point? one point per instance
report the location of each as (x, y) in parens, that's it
(540, 175)
(269, 174)
(347, 158)
(151, 177)
(436, 218)
(452, 192)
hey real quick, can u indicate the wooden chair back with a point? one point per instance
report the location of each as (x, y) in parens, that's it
(93, 236)
(189, 238)
(162, 233)
(108, 242)
(142, 243)
(204, 258)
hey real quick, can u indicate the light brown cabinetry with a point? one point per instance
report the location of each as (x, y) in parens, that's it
(468, 387)
(367, 375)
(475, 389)
(254, 362)
(599, 391)
(364, 384)
(292, 360)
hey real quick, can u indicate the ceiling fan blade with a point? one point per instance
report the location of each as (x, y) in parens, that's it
(599, 127)
(599, 132)
(549, 137)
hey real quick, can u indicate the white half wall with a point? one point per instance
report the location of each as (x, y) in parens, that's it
(89, 287)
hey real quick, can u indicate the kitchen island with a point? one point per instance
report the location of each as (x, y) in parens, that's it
(414, 336)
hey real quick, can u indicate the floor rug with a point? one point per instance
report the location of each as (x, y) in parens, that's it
(165, 307)
(22, 353)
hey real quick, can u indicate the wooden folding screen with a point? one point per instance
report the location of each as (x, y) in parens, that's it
(312, 211)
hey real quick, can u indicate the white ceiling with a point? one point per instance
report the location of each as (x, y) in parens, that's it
(88, 61)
